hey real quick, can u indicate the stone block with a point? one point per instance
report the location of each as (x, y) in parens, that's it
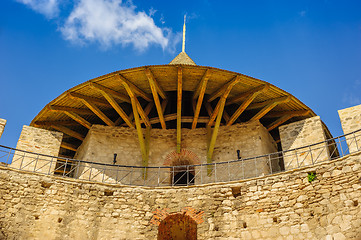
(36, 140)
(2, 126)
(351, 123)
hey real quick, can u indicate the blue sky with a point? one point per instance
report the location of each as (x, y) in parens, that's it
(311, 49)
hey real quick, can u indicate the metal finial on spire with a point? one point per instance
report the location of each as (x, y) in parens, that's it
(184, 35)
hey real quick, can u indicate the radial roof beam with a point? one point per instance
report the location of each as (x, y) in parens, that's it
(70, 109)
(222, 89)
(116, 106)
(152, 80)
(68, 132)
(78, 119)
(269, 107)
(276, 114)
(270, 101)
(242, 107)
(135, 89)
(285, 118)
(68, 146)
(109, 91)
(245, 95)
(179, 108)
(155, 90)
(89, 99)
(49, 123)
(200, 91)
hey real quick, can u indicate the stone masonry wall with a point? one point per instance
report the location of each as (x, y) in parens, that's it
(2, 126)
(281, 206)
(101, 142)
(37, 140)
(301, 134)
(351, 121)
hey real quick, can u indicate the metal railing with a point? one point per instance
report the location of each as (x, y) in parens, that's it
(182, 175)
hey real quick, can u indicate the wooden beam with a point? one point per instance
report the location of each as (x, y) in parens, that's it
(142, 114)
(109, 91)
(68, 132)
(268, 102)
(89, 99)
(222, 89)
(241, 108)
(200, 85)
(135, 89)
(179, 108)
(148, 108)
(276, 114)
(220, 102)
(210, 112)
(70, 109)
(117, 108)
(164, 105)
(244, 95)
(202, 89)
(68, 146)
(49, 123)
(152, 79)
(98, 112)
(269, 107)
(286, 117)
(155, 97)
(79, 119)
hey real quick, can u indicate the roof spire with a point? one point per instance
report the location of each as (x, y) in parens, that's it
(184, 35)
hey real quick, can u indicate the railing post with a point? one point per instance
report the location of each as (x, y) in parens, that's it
(172, 176)
(66, 163)
(51, 163)
(158, 175)
(7, 160)
(21, 164)
(229, 174)
(215, 172)
(243, 169)
(255, 165)
(77, 170)
(311, 154)
(341, 146)
(270, 163)
(187, 175)
(355, 141)
(36, 162)
(201, 167)
(131, 176)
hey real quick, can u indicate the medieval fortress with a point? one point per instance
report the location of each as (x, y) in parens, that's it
(181, 151)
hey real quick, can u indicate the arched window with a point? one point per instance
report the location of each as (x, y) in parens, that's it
(178, 226)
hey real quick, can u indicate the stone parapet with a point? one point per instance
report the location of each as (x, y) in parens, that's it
(301, 134)
(2, 126)
(281, 206)
(351, 121)
(37, 140)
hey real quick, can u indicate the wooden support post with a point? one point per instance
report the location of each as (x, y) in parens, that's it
(179, 108)
(156, 97)
(68, 132)
(68, 146)
(201, 89)
(79, 119)
(152, 79)
(147, 145)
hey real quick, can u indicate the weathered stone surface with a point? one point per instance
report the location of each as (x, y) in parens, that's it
(2, 125)
(351, 121)
(35, 206)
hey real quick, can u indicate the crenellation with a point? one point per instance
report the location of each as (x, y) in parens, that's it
(351, 121)
(2, 126)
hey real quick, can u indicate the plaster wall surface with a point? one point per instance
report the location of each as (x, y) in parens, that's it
(280, 206)
(2, 125)
(301, 134)
(252, 139)
(351, 121)
(37, 140)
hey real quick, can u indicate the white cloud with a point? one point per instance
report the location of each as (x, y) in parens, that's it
(111, 22)
(49, 8)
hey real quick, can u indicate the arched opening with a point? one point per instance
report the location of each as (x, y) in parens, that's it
(177, 226)
(183, 178)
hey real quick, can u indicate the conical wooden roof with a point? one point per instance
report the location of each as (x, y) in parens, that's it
(182, 58)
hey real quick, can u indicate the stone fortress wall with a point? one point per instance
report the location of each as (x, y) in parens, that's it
(284, 205)
(2, 125)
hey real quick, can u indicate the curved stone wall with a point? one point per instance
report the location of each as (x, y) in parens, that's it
(281, 206)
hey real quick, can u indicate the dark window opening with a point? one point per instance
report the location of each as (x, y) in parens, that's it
(183, 178)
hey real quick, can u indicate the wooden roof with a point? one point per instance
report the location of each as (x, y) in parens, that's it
(108, 100)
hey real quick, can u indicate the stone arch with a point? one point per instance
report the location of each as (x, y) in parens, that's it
(178, 226)
(182, 173)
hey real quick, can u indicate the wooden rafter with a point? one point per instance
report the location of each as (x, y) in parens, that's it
(98, 112)
(56, 122)
(268, 102)
(201, 89)
(70, 109)
(251, 95)
(142, 114)
(79, 119)
(135, 89)
(111, 92)
(68, 132)
(68, 146)
(179, 108)
(210, 112)
(117, 108)
(89, 99)
(152, 79)
(148, 108)
(285, 118)
(244, 95)
(222, 89)
(269, 107)
(154, 89)
(276, 114)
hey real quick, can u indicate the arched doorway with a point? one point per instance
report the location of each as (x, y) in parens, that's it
(178, 226)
